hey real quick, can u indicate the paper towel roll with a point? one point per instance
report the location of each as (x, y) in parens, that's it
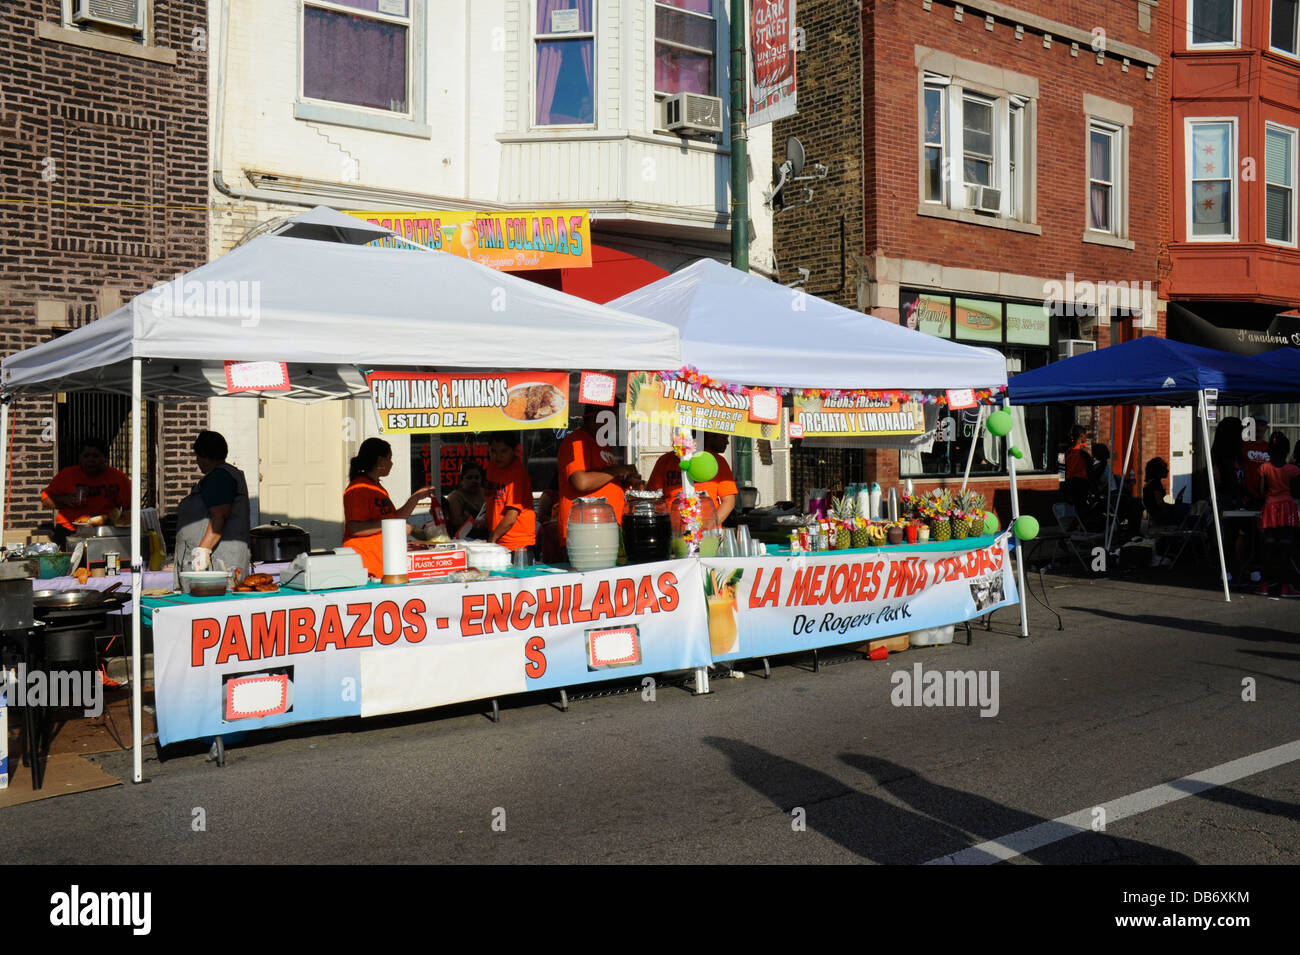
(394, 533)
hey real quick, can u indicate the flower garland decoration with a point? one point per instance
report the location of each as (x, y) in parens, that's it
(693, 376)
(688, 509)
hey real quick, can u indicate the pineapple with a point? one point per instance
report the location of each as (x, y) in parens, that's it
(941, 504)
(842, 510)
(977, 503)
(859, 536)
(962, 521)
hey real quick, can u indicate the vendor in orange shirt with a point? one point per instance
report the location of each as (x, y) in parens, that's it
(511, 517)
(88, 489)
(667, 476)
(590, 469)
(366, 503)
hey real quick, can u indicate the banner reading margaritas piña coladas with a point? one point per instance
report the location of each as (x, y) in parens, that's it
(747, 413)
(851, 415)
(510, 241)
(419, 403)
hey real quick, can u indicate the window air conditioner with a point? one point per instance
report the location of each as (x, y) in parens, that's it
(990, 200)
(693, 113)
(1076, 346)
(123, 14)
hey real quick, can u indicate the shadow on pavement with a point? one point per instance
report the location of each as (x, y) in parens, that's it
(1237, 631)
(936, 820)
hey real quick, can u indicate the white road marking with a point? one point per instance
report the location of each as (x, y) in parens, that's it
(1045, 833)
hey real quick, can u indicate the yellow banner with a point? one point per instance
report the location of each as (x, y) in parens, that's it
(679, 404)
(856, 416)
(416, 403)
(509, 241)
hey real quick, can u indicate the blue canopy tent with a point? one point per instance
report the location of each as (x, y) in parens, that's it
(1152, 371)
(1284, 360)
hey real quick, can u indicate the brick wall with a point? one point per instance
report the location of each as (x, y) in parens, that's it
(103, 169)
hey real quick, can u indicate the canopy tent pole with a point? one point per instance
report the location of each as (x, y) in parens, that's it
(137, 579)
(688, 487)
(970, 455)
(1112, 520)
(1015, 516)
(1110, 475)
(4, 465)
(1214, 495)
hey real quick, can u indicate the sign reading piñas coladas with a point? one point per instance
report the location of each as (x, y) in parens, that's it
(510, 241)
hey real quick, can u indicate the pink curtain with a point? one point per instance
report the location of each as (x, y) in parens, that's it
(1099, 196)
(551, 56)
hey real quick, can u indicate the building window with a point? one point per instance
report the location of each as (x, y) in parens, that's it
(974, 148)
(358, 52)
(1279, 183)
(565, 42)
(1212, 24)
(1284, 32)
(1104, 178)
(685, 47)
(1211, 162)
(1021, 331)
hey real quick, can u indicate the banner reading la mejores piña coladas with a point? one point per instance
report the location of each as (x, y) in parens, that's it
(425, 403)
(509, 241)
(749, 413)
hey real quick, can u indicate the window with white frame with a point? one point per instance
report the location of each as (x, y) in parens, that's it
(565, 50)
(1284, 27)
(1213, 23)
(974, 148)
(1105, 185)
(685, 47)
(1212, 192)
(358, 52)
(1279, 184)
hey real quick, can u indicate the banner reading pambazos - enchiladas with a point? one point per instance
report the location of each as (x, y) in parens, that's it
(742, 413)
(851, 415)
(423, 403)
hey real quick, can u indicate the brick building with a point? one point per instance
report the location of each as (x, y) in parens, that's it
(985, 159)
(1233, 265)
(103, 168)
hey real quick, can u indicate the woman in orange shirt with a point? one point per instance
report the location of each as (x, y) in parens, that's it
(366, 503)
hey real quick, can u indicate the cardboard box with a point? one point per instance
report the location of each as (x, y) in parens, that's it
(427, 564)
(892, 644)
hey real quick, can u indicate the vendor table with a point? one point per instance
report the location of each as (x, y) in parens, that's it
(252, 661)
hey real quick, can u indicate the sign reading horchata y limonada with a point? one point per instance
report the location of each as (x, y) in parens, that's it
(258, 662)
(422, 403)
(511, 241)
(680, 404)
(856, 416)
(761, 606)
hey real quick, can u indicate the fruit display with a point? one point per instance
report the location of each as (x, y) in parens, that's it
(842, 510)
(860, 535)
(938, 507)
(978, 504)
(960, 519)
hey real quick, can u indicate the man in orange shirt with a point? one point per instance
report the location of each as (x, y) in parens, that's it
(588, 469)
(511, 517)
(90, 488)
(722, 490)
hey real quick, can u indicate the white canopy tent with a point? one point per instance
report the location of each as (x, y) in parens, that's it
(328, 309)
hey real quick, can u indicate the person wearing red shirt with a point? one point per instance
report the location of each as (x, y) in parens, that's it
(90, 488)
(722, 490)
(511, 517)
(1078, 470)
(366, 503)
(1253, 454)
(590, 469)
(1280, 517)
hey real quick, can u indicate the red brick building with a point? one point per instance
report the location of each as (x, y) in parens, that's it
(1233, 262)
(103, 193)
(985, 159)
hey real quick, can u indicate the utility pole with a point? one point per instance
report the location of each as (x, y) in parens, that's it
(739, 156)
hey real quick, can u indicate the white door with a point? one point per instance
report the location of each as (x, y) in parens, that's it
(1180, 452)
(303, 467)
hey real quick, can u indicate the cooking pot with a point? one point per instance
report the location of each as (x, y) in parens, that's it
(275, 542)
(76, 599)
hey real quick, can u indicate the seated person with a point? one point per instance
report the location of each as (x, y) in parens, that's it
(1077, 486)
(722, 490)
(1159, 512)
(366, 504)
(511, 520)
(88, 490)
(466, 502)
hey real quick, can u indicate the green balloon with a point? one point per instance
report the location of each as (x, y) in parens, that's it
(1016, 452)
(1026, 527)
(999, 423)
(684, 464)
(991, 524)
(704, 466)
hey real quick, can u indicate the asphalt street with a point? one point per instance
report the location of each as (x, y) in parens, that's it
(1145, 685)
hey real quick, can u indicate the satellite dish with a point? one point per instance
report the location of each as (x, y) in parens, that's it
(794, 156)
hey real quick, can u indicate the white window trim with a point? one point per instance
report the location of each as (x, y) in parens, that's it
(533, 37)
(410, 123)
(1295, 38)
(721, 67)
(1294, 133)
(1233, 174)
(146, 38)
(1119, 179)
(1236, 30)
(940, 84)
(653, 39)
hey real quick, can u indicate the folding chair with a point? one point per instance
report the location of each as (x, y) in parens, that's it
(1194, 529)
(1075, 536)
